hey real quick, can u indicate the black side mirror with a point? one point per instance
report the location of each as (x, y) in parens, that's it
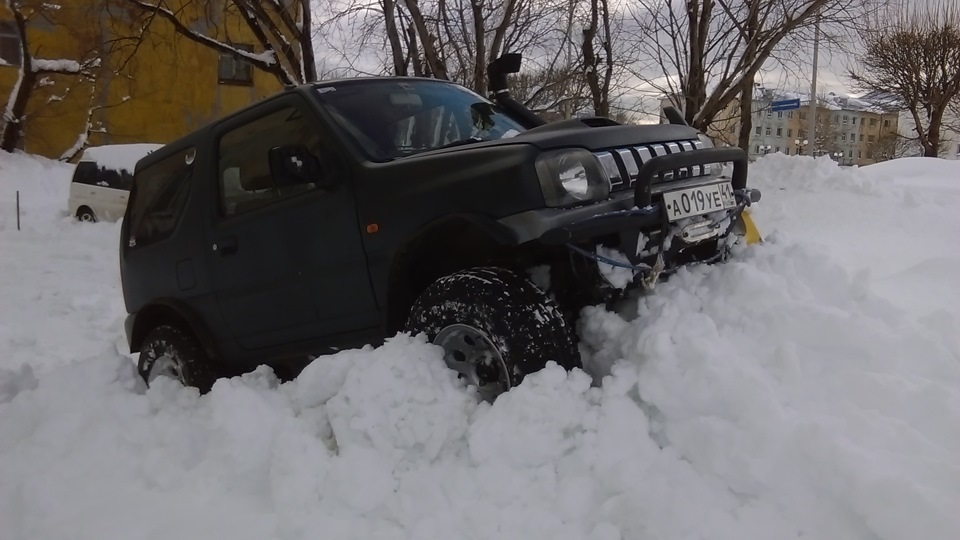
(293, 164)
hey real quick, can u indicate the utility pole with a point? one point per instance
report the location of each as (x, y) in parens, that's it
(813, 87)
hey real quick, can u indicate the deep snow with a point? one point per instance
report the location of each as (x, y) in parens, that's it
(810, 388)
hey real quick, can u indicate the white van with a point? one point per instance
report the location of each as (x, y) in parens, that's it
(101, 181)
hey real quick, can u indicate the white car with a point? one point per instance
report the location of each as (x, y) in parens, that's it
(101, 181)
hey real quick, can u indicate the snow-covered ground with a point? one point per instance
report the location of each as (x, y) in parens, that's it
(808, 389)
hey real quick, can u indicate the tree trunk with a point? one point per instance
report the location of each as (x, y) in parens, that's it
(393, 36)
(307, 56)
(931, 147)
(430, 53)
(479, 36)
(601, 107)
(746, 115)
(695, 92)
(17, 106)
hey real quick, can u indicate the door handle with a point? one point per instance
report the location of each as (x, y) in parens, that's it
(226, 246)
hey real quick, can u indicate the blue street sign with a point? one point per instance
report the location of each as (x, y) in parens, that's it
(785, 105)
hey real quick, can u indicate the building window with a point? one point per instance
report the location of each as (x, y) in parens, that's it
(779, 132)
(803, 116)
(861, 137)
(789, 132)
(779, 114)
(733, 128)
(776, 149)
(958, 149)
(234, 70)
(886, 123)
(871, 138)
(757, 151)
(873, 121)
(10, 52)
(843, 136)
(769, 114)
(853, 120)
(845, 119)
(768, 130)
(801, 133)
(790, 114)
(859, 154)
(758, 130)
(849, 153)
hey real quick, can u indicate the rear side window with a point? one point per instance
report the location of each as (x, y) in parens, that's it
(158, 197)
(89, 173)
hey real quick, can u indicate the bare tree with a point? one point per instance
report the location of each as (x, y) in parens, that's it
(889, 146)
(35, 72)
(598, 68)
(827, 139)
(710, 51)
(916, 57)
(455, 39)
(282, 29)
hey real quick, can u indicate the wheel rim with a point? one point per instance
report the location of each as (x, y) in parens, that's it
(164, 366)
(471, 353)
(86, 217)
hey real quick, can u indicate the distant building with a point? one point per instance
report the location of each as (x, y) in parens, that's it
(850, 130)
(170, 87)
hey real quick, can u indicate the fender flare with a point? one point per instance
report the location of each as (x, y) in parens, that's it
(170, 311)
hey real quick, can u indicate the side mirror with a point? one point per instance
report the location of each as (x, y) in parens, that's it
(293, 164)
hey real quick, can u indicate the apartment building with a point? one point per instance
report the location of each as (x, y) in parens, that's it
(851, 131)
(168, 88)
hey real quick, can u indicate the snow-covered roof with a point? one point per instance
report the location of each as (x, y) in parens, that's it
(876, 103)
(118, 156)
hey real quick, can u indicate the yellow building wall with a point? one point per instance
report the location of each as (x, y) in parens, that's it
(168, 88)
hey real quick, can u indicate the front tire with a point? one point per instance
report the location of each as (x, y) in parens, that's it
(495, 327)
(171, 352)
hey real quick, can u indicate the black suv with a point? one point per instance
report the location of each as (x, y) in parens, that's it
(336, 214)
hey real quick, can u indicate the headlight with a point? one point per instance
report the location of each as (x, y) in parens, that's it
(570, 177)
(710, 168)
(707, 141)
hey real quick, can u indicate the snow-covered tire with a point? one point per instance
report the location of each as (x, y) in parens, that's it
(495, 327)
(172, 352)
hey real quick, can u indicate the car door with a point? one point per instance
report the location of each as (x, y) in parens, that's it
(286, 258)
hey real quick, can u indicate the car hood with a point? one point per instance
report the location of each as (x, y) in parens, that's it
(583, 134)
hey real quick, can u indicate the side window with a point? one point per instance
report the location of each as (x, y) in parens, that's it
(108, 178)
(158, 197)
(247, 178)
(85, 173)
(126, 180)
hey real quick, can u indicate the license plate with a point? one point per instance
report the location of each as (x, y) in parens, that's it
(698, 200)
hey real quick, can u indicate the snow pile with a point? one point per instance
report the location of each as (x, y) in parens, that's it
(790, 393)
(119, 157)
(44, 186)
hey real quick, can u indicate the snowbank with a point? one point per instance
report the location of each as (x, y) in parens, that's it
(790, 393)
(44, 186)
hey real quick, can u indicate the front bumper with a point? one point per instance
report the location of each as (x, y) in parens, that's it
(636, 223)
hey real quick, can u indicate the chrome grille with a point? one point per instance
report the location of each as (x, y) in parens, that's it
(622, 164)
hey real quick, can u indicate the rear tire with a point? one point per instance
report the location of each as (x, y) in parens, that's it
(171, 352)
(86, 215)
(495, 327)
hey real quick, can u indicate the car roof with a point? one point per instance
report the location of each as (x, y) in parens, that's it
(118, 156)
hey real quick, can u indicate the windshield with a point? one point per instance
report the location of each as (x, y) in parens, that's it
(395, 118)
